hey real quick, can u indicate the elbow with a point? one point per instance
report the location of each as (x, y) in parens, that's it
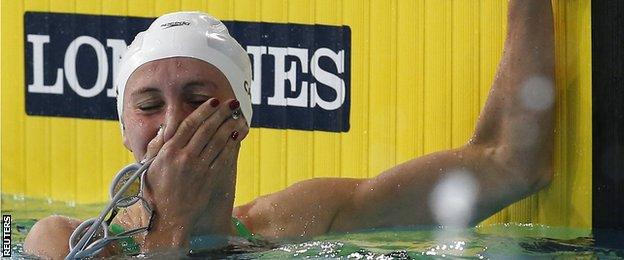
(538, 170)
(531, 175)
(526, 172)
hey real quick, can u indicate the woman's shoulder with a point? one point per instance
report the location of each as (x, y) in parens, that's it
(49, 237)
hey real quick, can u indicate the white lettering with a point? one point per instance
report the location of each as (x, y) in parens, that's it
(278, 98)
(328, 79)
(70, 66)
(256, 84)
(281, 76)
(119, 48)
(302, 99)
(38, 76)
(307, 96)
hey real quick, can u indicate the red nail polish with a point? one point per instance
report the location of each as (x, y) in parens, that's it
(234, 104)
(214, 102)
(234, 135)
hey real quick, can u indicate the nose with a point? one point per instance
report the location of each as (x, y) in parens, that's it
(174, 116)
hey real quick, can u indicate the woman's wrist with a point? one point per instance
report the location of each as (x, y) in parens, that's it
(215, 222)
(216, 218)
(209, 225)
(165, 234)
(177, 232)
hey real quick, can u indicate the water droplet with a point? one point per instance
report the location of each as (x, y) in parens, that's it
(453, 198)
(537, 93)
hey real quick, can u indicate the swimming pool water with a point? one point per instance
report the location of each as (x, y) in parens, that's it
(502, 241)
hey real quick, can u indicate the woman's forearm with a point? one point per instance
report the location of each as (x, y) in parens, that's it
(205, 228)
(166, 234)
(529, 47)
(518, 118)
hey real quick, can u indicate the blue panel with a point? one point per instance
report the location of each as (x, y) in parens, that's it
(329, 75)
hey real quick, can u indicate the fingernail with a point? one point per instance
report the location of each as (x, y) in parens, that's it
(234, 104)
(234, 135)
(214, 102)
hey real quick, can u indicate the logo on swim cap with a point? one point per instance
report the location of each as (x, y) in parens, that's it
(174, 24)
(246, 86)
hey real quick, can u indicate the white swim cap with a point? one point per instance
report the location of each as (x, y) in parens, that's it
(189, 34)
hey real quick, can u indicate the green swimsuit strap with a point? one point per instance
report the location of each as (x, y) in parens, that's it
(130, 247)
(243, 231)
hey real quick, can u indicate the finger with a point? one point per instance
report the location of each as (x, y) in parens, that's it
(227, 156)
(205, 132)
(231, 132)
(153, 147)
(209, 151)
(189, 126)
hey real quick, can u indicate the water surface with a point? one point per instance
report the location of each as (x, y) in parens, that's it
(502, 241)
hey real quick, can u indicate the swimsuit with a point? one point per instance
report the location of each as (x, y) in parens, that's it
(130, 247)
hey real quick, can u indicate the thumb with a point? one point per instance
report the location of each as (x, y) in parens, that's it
(153, 147)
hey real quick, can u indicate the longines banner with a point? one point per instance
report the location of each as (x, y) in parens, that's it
(301, 73)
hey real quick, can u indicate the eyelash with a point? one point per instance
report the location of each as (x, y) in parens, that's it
(149, 107)
(152, 106)
(199, 101)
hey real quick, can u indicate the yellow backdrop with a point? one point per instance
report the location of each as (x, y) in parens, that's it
(421, 71)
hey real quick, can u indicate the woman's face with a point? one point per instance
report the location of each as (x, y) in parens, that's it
(164, 92)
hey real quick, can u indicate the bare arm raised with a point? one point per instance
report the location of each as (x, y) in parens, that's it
(508, 158)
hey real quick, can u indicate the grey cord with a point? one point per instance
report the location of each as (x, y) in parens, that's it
(81, 250)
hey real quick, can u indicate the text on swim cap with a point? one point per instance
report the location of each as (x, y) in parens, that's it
(174, 24)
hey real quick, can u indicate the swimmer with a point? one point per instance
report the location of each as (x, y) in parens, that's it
(176, 106)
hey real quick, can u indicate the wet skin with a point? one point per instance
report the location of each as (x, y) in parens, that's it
(197, 147)
(165, 92)
(192, 180)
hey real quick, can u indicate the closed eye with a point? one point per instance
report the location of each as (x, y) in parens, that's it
(149, 106)
(197, 100)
